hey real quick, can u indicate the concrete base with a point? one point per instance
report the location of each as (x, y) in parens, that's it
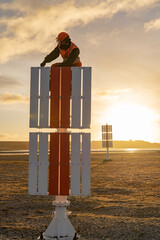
(60, 227)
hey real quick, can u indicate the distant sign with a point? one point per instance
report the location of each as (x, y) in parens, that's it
(107, 136)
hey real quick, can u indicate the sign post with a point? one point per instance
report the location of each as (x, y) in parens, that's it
(59, 105)
(107, 138)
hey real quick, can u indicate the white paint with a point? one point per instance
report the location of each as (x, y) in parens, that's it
(86, 118)
(34, 97)
(32, 185)
(86, 164)
(44, 97)
(75, 164)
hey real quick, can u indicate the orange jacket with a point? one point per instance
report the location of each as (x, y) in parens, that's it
(65, 54)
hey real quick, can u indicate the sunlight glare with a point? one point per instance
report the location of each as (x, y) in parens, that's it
(131, 121)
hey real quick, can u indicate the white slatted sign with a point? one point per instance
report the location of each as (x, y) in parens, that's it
(32, 188)
(86, 118)
(75, 164)
(80, 170)
(44, 97)
(86, 164)
(76, 97)
(34, 85)
(43, 164)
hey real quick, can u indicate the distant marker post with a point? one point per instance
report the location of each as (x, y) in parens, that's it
(107, 138)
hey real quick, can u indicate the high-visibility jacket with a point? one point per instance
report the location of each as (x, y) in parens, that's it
(65, 54)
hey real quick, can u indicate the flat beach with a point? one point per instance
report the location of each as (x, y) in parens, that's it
(124, 201)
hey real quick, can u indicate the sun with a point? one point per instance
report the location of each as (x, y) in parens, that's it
(131, 121)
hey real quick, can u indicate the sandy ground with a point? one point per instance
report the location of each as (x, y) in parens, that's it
(124, 201)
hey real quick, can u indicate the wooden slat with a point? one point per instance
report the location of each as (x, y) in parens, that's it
(43, 164)
(55, 92)
(34, 97)
(86, 118)
(32, 185)
(66, 79)
(76, 97)
(44, 97)
(64, 164)
(54, 164)
(86, 164)
(75, 164)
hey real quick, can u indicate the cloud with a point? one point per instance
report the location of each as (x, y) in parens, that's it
(33, 25)
(7, 81)
(114, 91)
(152, 25)
(113, 94)
(13, 98)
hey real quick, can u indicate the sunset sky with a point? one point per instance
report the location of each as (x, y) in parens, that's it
(120, 40)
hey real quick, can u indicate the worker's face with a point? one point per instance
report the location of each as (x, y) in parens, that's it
(65, 44)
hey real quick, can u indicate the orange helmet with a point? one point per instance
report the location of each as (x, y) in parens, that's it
(62, 36)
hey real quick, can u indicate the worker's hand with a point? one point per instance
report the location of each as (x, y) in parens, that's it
(43, 64)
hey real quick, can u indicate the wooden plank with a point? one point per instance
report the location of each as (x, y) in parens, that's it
(66, 79)
(64, 164)
(44, 97)
(86, 164)
(76, 97)
(75, 164)
(43, 164)
(55, 93)
(32, 185)
(86, 118)
(54, 164)
(34, 97)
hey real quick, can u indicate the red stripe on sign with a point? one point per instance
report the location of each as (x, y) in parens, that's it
(106, 132)
(55, 91)
(66, 80)
(107, 143)
(54, 164)
(64, 164)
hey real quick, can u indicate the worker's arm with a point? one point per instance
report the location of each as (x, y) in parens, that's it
(50, 57)
(71, 59)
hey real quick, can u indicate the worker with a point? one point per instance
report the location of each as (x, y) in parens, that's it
(68, 50)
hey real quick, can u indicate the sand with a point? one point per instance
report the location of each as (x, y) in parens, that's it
(124, 201)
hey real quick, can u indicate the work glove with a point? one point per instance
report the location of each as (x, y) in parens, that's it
(43, 64)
